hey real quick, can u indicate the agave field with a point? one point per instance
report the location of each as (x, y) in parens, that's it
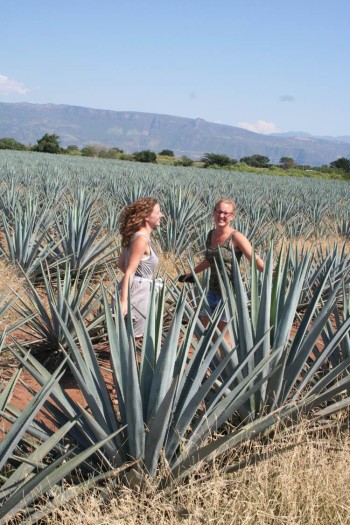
(185, 395)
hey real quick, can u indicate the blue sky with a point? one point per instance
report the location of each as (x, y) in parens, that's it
(265, 65)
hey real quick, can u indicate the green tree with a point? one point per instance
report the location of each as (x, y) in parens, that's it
(216, 159)
(48, 144)
(184, 161)
(341, 164)
(167, 153)
(94, 151)
(8, 143)
(145, 156)
(287, 163)
(257, 161)
(88, 151)
(109, 153)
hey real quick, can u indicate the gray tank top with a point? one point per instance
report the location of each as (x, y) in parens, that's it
(148, 264)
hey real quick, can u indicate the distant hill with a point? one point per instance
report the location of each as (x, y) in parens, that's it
(134, 131)
(303, 134)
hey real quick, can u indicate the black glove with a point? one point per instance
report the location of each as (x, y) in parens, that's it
(186, 279)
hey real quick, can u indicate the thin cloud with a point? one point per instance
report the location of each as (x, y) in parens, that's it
(287, 98)
(260, 126)
(8, 86)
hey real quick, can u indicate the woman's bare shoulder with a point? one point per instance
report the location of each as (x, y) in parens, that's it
(140, 235)
(239, 239)
(238, 235)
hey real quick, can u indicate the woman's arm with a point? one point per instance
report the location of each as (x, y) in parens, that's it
(203, 265)
(137, 249)
(121, 260)
(241, 242)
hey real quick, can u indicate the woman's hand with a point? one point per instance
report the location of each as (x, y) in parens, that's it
(186, 278)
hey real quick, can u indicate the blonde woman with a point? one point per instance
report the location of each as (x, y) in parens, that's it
(138, 259)
(225, 237)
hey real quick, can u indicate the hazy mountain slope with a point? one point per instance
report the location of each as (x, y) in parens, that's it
(134, 131)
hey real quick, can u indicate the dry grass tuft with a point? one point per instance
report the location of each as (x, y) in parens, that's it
(309, 484)
(11, 281)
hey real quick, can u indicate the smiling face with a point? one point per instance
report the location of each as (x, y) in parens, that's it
(223, 213)
(153, 220)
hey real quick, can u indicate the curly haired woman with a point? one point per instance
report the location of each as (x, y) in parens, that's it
(138, 259)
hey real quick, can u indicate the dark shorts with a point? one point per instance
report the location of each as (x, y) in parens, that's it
(214, 300)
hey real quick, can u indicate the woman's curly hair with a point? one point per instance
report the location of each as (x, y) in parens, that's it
(133, 216)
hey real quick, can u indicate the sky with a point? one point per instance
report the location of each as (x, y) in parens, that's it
(269, 66)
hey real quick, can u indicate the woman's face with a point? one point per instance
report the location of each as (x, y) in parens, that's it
(223, 214)
(153, 220)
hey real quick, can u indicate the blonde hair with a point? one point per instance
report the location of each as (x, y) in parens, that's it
(229, 202)
(133, 216)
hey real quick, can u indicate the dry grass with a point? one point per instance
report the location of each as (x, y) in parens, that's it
(308, 484)
(10, 281)
(313, 243)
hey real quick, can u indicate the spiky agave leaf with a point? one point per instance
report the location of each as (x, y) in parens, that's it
(64, 409)
(38, 311)
(185, 215)
(81, 238)
(15, 433)
(27, 235)
(46, 479)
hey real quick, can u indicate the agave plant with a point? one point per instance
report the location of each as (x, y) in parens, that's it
(271, 307)
(343, 224)
(44, 459)
(185, 216)
(40, 312)
(9, 199)
(142, 187)
(82, 239)
(283, 211)
(27, 235)
(334, 325)
(333, 260)
(174, 397)
(111, 217)
(148, 390)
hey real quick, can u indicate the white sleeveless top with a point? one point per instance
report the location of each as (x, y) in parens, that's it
(148, 264)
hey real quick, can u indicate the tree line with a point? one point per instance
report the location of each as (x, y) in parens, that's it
(51, 144)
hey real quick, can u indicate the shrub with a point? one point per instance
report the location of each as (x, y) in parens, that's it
(145, 156)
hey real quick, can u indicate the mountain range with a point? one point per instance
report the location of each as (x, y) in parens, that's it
(135, 131)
